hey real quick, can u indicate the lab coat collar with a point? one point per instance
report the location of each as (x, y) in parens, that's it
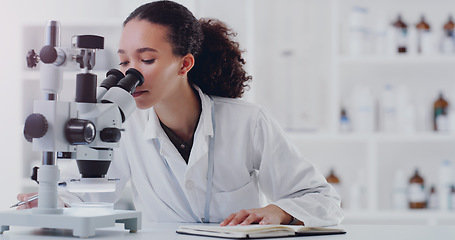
(153, 128)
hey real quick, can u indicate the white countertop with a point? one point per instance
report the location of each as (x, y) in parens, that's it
(166, 231)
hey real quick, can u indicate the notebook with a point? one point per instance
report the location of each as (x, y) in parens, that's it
(256, 231)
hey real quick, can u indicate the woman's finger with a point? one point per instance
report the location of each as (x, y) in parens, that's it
(24, 197)
(240, 217)
(228, 220)
(252, 218)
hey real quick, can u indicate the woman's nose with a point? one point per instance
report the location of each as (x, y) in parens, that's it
(135, 66)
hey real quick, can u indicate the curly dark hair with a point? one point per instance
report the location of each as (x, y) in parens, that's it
(218, 68)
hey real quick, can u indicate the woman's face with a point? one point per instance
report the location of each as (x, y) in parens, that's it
(143, 46)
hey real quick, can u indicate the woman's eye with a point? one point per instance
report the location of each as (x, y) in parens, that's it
(124, 63)
(149, 61)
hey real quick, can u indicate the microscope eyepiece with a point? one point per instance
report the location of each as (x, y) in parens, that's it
(113, 76)
(132, 79)
(137, 74)
(120, 94)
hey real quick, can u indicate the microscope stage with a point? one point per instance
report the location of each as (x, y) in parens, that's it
(82, 221)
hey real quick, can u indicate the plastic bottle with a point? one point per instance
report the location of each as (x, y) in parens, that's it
(358, 30)
(363, 114)
(357, 192)
(379, 34)
(388, 110)
(405, 110)
(416, 191)
(444, 183)
(401, 31)
(433, 198)
(440, 118)
(424, 42)
(399, 193)
(448, 40)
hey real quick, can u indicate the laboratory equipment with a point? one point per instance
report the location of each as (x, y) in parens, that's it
(86, 130)
(440, 114)
(32, 198)
(401, 34)
(416, 193)
(424, 42)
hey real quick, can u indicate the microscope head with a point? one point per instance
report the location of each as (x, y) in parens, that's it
(107, 115)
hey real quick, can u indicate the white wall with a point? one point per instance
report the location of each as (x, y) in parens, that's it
(10, 105)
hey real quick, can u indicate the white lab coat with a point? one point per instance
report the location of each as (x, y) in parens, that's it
(252, 157)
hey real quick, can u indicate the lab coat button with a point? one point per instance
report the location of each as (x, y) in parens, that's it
(189, 184)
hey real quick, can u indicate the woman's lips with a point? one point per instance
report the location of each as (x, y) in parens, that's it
(138, 93)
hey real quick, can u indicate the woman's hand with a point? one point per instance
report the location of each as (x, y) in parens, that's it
(270, 214)
(24, 197)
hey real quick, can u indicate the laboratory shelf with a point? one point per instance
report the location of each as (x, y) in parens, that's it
(403, 217)
(397, 60)
(302, 136)
(372, 159)
(377, 137)
(417, 137)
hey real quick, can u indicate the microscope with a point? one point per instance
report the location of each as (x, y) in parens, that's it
(86, 130)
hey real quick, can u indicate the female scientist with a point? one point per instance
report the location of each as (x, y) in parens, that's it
(193, 151)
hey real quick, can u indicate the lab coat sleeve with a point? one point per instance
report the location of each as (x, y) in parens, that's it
(119, 169)
(289, 180)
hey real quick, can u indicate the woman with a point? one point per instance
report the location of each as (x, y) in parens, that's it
(196, 153)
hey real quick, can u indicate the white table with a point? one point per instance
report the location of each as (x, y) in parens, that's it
(165, 231)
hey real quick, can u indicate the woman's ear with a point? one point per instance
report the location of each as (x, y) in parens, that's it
(187, 64)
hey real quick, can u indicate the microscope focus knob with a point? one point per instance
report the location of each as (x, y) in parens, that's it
(80, 131)
(36, 126)
(110, 135)
(48, 54)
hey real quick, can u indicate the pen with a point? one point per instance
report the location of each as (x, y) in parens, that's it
(34, 197)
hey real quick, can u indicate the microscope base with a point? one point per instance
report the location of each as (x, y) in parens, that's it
(83, 222)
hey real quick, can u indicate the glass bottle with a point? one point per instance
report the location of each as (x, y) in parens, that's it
(449, 27)
(345, 124)
(440, 120)
(423, 36)
(401, 30)
(416, 191)
(333, 179)
(448, 40)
